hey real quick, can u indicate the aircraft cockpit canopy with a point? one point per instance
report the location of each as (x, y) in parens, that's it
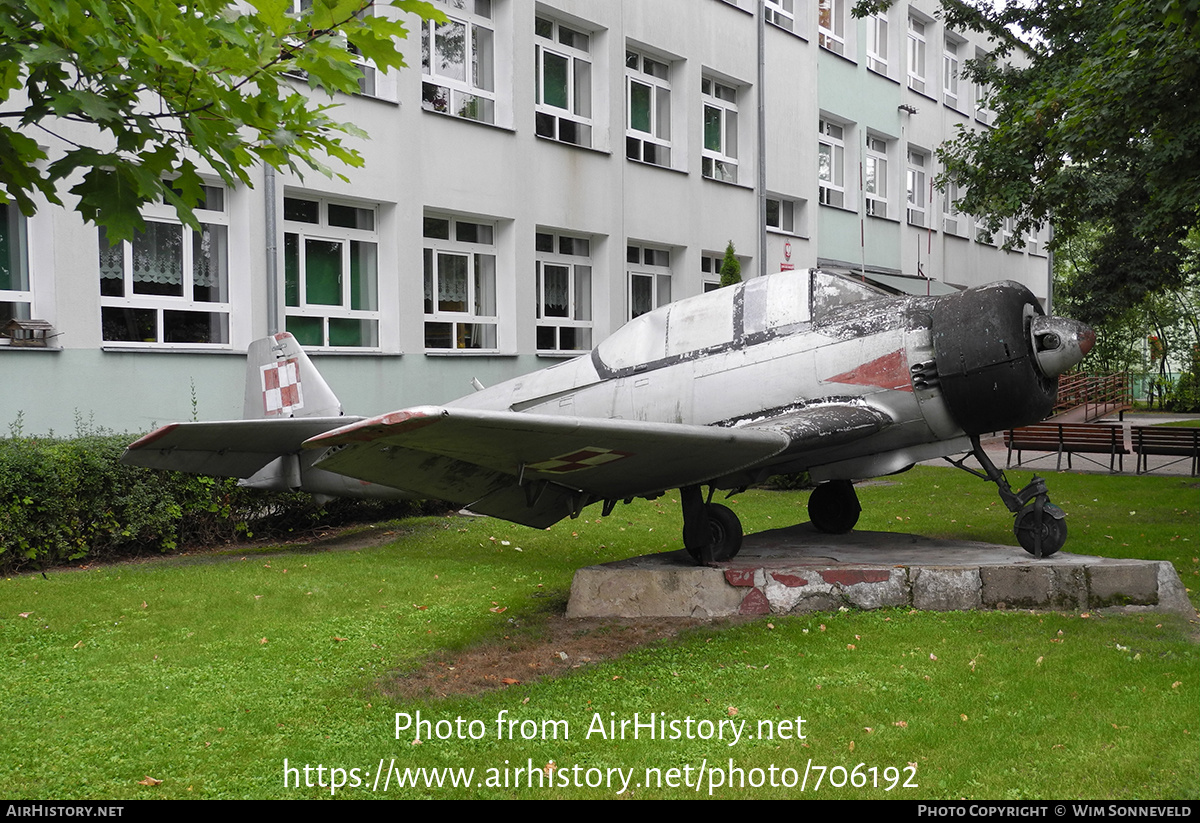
(759, 308)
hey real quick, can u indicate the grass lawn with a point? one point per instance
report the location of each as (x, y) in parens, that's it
(207, 673)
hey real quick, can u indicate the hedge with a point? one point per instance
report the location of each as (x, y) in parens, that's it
(63, 500)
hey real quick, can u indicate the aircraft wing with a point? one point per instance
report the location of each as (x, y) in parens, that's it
(230, 448)
(537, 469)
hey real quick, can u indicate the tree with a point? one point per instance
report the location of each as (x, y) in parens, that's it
(1097, 123)
(132, 94)
(731, 267)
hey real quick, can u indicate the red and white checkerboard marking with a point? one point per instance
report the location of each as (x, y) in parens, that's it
(587, 458)
(281, 387)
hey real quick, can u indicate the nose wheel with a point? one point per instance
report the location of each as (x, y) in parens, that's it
(1039, 525)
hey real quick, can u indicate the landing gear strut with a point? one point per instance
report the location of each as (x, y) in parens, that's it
(1039, 526)
(712, 533)
(833, 507)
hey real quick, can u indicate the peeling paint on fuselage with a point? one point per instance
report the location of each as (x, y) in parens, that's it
(773, 361)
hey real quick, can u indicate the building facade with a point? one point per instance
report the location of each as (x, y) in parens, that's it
(539, 175)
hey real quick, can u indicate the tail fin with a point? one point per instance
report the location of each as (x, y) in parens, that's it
(282, 382)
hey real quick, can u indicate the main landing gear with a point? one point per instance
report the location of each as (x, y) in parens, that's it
(712, 533)
(1039, 525)
(833, 507)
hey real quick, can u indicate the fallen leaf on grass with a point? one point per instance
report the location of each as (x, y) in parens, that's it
(148, 781)
(731, 711)
(509, 681)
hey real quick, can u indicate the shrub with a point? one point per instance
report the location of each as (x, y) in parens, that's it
(63, 500)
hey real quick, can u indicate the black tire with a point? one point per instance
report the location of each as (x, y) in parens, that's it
(726, 530)
(1054, 532)
(833, 507)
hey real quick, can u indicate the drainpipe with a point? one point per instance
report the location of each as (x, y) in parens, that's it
(272, 250)
(762, 142)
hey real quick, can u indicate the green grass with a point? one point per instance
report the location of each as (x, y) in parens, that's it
(1184, 424)
(161, 668)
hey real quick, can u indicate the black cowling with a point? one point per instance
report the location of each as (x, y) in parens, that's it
(985, 361)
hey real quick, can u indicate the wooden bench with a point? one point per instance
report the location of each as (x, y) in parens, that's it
(1069, 439)
(1167, 441)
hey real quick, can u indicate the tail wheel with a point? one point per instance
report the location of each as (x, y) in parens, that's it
(833, 507)
(1053, 532)
(726, 532)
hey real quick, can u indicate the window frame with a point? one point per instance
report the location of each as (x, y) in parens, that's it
(580, 292)
(331, 315)
(831, 25)
(475, 312)
(877, 199)
(471, 89)
(832, 189)
(780, 13)
(16, 302)
(551, 114)
(952, 72)
(917, 59)
(788, 212)
(953, 220)
(134, 304)
(658, 273)
(917, 187)
(660, 112)
(719, 164)
(877, 36)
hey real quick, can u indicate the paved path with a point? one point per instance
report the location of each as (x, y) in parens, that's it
(1034, 461)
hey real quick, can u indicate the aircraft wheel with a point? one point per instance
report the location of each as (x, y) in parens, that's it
(1054, 532)
(726, 531)
(833, 507)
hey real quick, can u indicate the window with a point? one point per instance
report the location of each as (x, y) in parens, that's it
(564, 292)
(460, 283)
(918, 162)
(370, 82)
(330, 273)
(781, 215)
(831, 163)
(831, 25)
(877, 43)
(916, 54)
(15, 296)
(170, 285)
(719, 158)
(710, 270)
(982, 112)
(458, 61)
(950, 73)
(953, 221)
(648, 109)
(563, 107)
(781, 13)
(649, 278)
(875, 177)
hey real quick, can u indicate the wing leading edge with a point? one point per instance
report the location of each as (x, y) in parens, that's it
(537, 469)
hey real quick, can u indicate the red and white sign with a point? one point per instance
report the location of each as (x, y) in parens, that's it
(281, 388)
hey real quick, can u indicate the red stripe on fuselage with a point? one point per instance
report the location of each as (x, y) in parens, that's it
(887, 372)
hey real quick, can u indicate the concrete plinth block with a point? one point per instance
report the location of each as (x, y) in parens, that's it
(669, 592)
(1126, 584)
(945, 589)
(871, 588)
